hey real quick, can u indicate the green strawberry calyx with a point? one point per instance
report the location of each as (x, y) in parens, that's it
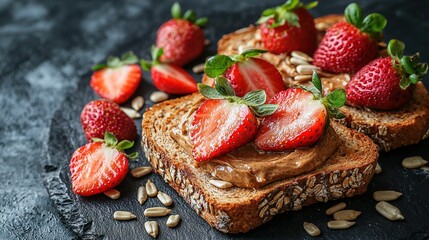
(284, 14)
(112, 142)
(190, 15)
(411, 70)
(254, 99)
(115, 62)
(156, 54)
(332, 102)
(217, 65)
(373, 24)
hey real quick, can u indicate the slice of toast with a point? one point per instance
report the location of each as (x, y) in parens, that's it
(346, 173)
(388, 129)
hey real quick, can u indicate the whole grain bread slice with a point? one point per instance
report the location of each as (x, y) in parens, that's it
(345, 174)
(388, 129)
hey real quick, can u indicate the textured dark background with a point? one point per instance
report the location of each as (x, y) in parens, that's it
(46, 49)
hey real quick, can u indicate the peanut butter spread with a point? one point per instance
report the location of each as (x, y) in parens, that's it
(249, 168)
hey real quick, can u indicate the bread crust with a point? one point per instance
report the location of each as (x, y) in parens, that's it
(234, 210)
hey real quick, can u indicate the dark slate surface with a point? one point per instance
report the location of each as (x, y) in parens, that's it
(46, 49)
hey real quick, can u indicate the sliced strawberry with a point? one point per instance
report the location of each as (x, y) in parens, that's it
(118, 79)
(99, 166)
(172, 79)
(220, 126)
(254, 74)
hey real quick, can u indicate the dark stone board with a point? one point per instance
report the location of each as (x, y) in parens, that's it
(91, 217)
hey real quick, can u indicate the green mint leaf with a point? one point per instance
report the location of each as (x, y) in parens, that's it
(404, 83)
(217, 65)
(335, 113)
(395, 48)
(264, 110)
(406, 65)
(209, 92)
(373, 24)
(97, 140)
(133, 156)
(337, 98)
(223, 87)
(311, 5)
(176, 12)
(201, 22)
(129, 58)
(146, 65)
(110, 139)
(124, 144)
(190, 15)
(255, 98)
(315, 79)
(98, 67)
(113, 62)
(354, 15)
(252, 52)
(156, 53)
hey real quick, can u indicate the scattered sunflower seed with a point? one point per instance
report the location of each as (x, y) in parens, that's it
(199, 68)
(123, 215)
(141, 195)
(340, 224)
(141, 171)
(301, 55)
(306, 69)
(389, 211)
(386, 195)
(335, 208)
(346, 215)
(164, 198)
(137, 103)
(158, 96)
(302, 78)
(413, 162)
(156, 212)
(378, 169)
(151, 189)
(220, 183)
(311, 229)
(131, 112)
(151, 228)
(173, 220)
(298, 61)
(112, 194)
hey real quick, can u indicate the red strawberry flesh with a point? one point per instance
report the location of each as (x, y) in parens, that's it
(172, 79)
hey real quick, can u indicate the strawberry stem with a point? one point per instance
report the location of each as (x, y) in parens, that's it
(156, 54)
(372, 24)
(190, 15)
(127, 58)
(111, 141)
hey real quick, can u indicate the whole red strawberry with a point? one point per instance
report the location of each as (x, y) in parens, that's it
(100, 116)
(99, 166)
(348, 46)
(301, 118)
(168, 77)
(288, 27)
(118, 79)
(385, 82)
(181, 37)
(225, 122)
(246, 73)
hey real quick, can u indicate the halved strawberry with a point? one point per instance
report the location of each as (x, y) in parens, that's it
(99, 166)
(300, 119)
(118, 79)
(168, 77)
(225, 122)
(246, 73)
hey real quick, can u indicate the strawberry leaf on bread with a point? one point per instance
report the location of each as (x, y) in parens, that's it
(372, 24)
(127, 58)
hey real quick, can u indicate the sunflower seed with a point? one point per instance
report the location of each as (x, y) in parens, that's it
(302, 78)
(112, 194)
(298, 61)
(346, 215)
(311, 229)
(131, 112)
(301, 55)
(151, 189)
(306, 69)
(389, 211)
(156, 212)
(413, 162)
(141, 171)
(220, 183)
(173, 220)
(340, 224)
(335, 208)
(151, 228)
(137, 103)
(123, 215)
(141, 195)
(378, 169)
(158, 96)
(164, 198)
(199, 68)
(386, 195)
